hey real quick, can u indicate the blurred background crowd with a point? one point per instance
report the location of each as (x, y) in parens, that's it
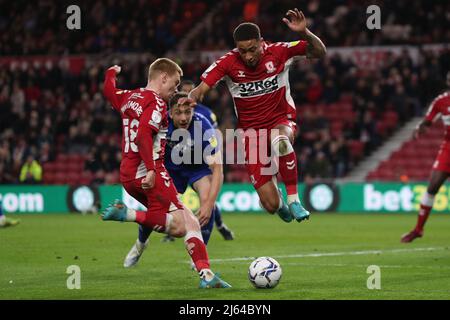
(56, 127)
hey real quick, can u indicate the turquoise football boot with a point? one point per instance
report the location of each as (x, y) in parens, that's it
(298, 212)
(215, 282)
(115, 212)
(284, 213)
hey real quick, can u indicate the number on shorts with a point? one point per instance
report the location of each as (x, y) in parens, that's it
(166, 178)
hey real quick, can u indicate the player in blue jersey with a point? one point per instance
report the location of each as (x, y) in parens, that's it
(192, 158)
(187, 86)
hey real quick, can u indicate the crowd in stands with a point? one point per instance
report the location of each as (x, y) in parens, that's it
(51, 115)
(47, 110)
(336, 22)
(39, 27)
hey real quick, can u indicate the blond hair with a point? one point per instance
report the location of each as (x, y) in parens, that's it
(163, 65)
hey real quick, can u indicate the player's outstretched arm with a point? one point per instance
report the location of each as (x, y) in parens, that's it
(296, 21)
(199, 91)
(215, 164)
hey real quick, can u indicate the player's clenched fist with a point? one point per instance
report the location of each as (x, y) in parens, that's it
(116, 68)
(149, 181)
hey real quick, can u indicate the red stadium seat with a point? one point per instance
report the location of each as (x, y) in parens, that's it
(60, 178)
(60, 166)
(73, 178)
(390, 118)
(356, 149)
(48, 177)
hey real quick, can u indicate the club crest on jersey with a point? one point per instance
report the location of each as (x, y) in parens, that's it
(241, 74)
(270, 67)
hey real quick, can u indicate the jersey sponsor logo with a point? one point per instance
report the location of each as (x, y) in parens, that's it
(133, 105)
(136, 95)
(241, 74)
(270, 67)
(255, 88)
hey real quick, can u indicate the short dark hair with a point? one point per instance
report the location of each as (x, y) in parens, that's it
(246, 31)
(187, 82)
(177, 96)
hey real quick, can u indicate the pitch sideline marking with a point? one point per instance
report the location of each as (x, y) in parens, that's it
(334, 254)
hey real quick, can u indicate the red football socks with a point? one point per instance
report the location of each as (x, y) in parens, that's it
(423, 216)
(155, 222)
(288, 171)
(197, 250)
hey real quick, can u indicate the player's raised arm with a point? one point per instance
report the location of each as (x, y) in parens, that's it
(434, 111)
(110, 91)
(296, 21)
(199, 91)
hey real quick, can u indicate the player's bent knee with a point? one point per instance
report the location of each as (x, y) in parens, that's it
(271, 205)
(281, 145)
(192, 223)
(177, 224)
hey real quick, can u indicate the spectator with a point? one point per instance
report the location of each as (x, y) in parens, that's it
(319, 168)
(31, 171)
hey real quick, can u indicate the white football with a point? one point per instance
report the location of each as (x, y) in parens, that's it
(264, 272)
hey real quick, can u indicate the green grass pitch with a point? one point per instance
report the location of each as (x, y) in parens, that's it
(324, 258)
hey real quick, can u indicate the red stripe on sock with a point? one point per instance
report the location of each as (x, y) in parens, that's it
(423, 217)
(288, 172)
(197, 250)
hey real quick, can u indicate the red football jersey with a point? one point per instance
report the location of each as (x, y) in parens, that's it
(140, 109)
(261, 95)
(440, 107)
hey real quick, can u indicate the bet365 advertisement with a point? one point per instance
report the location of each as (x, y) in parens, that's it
(320, 197)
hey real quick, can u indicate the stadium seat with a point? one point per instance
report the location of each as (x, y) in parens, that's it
(356, 149)
(390, 118)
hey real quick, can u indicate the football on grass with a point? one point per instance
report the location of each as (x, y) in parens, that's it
(264, 273)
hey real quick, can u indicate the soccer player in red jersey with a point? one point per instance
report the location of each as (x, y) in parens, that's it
(256, 74)
(439, 107)
(142, 172)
